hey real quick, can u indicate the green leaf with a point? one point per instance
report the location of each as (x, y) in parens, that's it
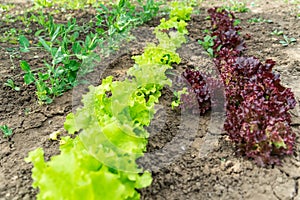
(81, 57)
(73, 65)
(58, 57)
(280, 144)
(55, 34)
(70, 124)
(45, 45)
(24, 44)
(9, 83)
(38, 32)
(145, 180)
(121, 3)
(74, 36)
(17, 88)
(180, 10)
(210, 52)
(76, 48)
(6, 131)
(43, 76)
(77, 175)
(29, 78)
(58, 72)
(100, 30)
(24, 66)
(104, 7)
(87, 41)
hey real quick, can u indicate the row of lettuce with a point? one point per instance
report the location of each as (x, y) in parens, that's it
(100, 162)
(257, 105)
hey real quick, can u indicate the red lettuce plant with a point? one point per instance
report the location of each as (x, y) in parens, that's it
(222, 23)
(198, 94)
(257, 104)
(203, 92)
(257, 111)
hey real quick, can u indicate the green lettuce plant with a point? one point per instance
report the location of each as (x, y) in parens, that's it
(100, 162)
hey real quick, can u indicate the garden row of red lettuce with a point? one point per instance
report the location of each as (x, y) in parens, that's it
(257, 117)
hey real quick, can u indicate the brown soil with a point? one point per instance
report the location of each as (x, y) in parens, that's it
(193, 160)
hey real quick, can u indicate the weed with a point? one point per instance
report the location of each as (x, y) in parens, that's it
(287, 41)
(177, 94)
(27, 111)
(75, 4)
(259, 20)
(207, 43)
(206, 31)
(277, 32)
(124, 15)
(10, 36)
(13, 53)
(67, 53)
(6, 131)
(6, 7)
(236, 22)
(237, 6)
(10, 83)
(24, 44)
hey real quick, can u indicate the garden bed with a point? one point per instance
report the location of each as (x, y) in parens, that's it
(209, 167)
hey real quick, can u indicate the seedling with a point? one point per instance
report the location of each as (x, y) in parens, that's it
(75, 4)
(259, 20)
(10, 83)
(67, 53)
(6, 131)
(6, 7)
(236, 22)
(207, 43)
(237, 6)
(177, 94)
(277, 32)
(24, 44)
(206, 31)
(287, 41)
(10, 36)
(27, 111)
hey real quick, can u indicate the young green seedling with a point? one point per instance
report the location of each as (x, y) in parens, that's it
(259, 20)
(10, 83)
(237, 6)
(6, 131)
(24, 44)
(177, 94)
(277, 32)
(207, 43)
(287, 41)
(75, 4)
(237, 22)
